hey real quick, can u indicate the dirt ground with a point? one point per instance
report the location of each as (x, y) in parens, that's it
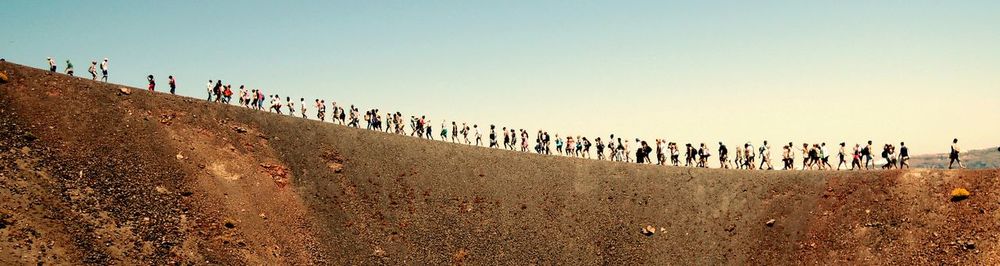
(93, 174)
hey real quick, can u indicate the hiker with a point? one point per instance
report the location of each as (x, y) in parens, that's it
(738, 157)
(321, 110)
(524, 140)
(228, 93)
(824, 156)
(904, 156)
(644, 151)
(586, 147)
(93, 70)
(104, 70)
(454, 132)
(688, 155)
(805, 155)
(570, 145)
(291, 106)
(600, 148)
(723, 156)
(479, 135)
(856, 157)
(703, 155)
(465, 133)
(513, 140)
(559, 144)
(52, 64)
(813, 152)
(244, 96)
(750, 155)
(208, 88)
(172, 83)
(765, 156)
(659, 152)
(866, 153)
(623, 150)
(545, 142)
(493, 136)
(885, 156)
(954, 155)
(613, 149)
(260, 100)
(69, 68)
(785, 157)
(444, 132)
(152, 83)
(217, 92)
(842, 154)
(302, 107)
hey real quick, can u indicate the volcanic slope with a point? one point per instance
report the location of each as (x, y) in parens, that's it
(91, 173)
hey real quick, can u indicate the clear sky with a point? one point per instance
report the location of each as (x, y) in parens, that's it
(923, 72)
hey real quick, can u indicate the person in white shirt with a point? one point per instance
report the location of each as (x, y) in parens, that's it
(479, 135)
(104, 70)
(953, 155)
(825, 156)
(302, 105)
(207, 87)
(93, 70)
(765, 156)
(52, 64)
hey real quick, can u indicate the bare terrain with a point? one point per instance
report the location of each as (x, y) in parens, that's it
(94, 174)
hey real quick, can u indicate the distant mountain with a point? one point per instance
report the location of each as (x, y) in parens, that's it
(985, 158)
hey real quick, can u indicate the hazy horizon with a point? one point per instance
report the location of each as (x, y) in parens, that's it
(922, 72)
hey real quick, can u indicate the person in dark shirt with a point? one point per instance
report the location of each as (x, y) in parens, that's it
(723, 156)
(904, 155)
(152, 83)
(173, 84)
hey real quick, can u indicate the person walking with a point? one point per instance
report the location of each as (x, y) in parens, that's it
(173, 84)
(479, 135)
(493, 137)
(824, 157)
(904, 156)
(765, 156)
(842, 154)
(152, 83)
(52, 64)
(208, 89)
(302, 106)
(93, 70)
(723, 156)
(866, 153)
(856, 157)
(104, 70)
(954, 155)
(69, 68)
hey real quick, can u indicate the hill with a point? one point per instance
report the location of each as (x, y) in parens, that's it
(975, 159)
(94, 173)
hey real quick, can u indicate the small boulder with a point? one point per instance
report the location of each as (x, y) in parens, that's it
(959, 194)
(770, 223)
(124, 91)
(649, 230)
(4, 78)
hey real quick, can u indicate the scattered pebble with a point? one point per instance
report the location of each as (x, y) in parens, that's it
(770, 223)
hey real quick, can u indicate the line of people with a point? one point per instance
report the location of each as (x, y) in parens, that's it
(92, 69)
(813, 157)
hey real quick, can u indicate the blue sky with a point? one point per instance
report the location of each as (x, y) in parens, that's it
(698, 71)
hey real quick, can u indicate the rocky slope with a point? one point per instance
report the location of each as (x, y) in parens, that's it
(91, 173)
